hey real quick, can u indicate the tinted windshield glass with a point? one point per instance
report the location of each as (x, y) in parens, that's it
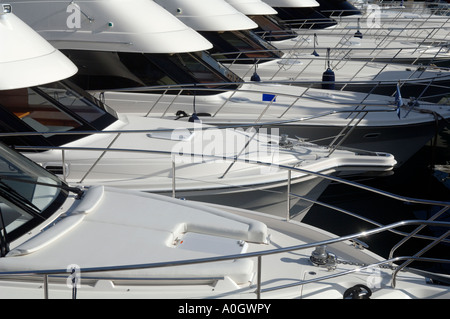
(56, 107)
(244, 45)
(306, 18)
(83, 105)
(28, 193)
(272, 30)
(37, 111)
(100, 70)
(202, 68)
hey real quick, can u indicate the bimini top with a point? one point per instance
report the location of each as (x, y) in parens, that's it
(211, 15)
(26, 59)
(252, 7)
(110, 25)
(293, 3)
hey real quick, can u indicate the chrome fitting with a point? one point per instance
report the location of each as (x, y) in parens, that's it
(322, 258)
(5, 8)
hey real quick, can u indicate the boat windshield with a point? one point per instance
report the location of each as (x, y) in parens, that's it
(29, 194)
(102, 70)
(271, 29)
(244, 45)
(304, 18)
(338, 8)
(50, 108)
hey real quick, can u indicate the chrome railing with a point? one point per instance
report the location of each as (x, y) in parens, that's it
(356, 110)
(398, 19)
(332, 146)
(339, 57)
(383, 37)
(384, 41)
(170, 154)
(165, 97)
(259, 290)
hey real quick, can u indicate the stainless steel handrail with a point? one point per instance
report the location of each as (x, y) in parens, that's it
(259, 254)
(255, 162)
(203, 127)
(406, 236)
(221, 87)
(200, 128)
(307, 85)
(335, 56)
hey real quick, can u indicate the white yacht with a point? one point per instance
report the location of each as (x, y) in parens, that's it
(193, 82)
(60, 242)
(78, 240)
(340, 44)
(379, 33)
(408, 20)
(241, 50)
(69, 132)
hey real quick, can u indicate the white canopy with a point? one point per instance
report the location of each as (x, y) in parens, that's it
(211, 15)
(293, 3)
(252, 7)
(110, 25)
(26, 59)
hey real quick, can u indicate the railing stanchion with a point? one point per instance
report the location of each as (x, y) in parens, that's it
(173, 178)
(288, 215)
(63, 158)
(46, 286)
(419, 254)
(258, 287)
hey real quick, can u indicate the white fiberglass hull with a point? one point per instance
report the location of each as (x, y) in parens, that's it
(383, 33)
(271, 200)
(403, 141)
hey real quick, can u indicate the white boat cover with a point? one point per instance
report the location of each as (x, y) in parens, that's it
(33, 61)
(155, 229)
(110, 25)
(211, 15)
(292, 3)
(252, 7)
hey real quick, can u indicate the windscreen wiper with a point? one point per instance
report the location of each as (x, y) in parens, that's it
(4, 244)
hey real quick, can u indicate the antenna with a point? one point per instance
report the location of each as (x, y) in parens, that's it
(358, 33)
(328, 77)
(194, 117)
(315, 42)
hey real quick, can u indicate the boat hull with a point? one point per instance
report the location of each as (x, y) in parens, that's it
(382, 131)
(269, 200)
